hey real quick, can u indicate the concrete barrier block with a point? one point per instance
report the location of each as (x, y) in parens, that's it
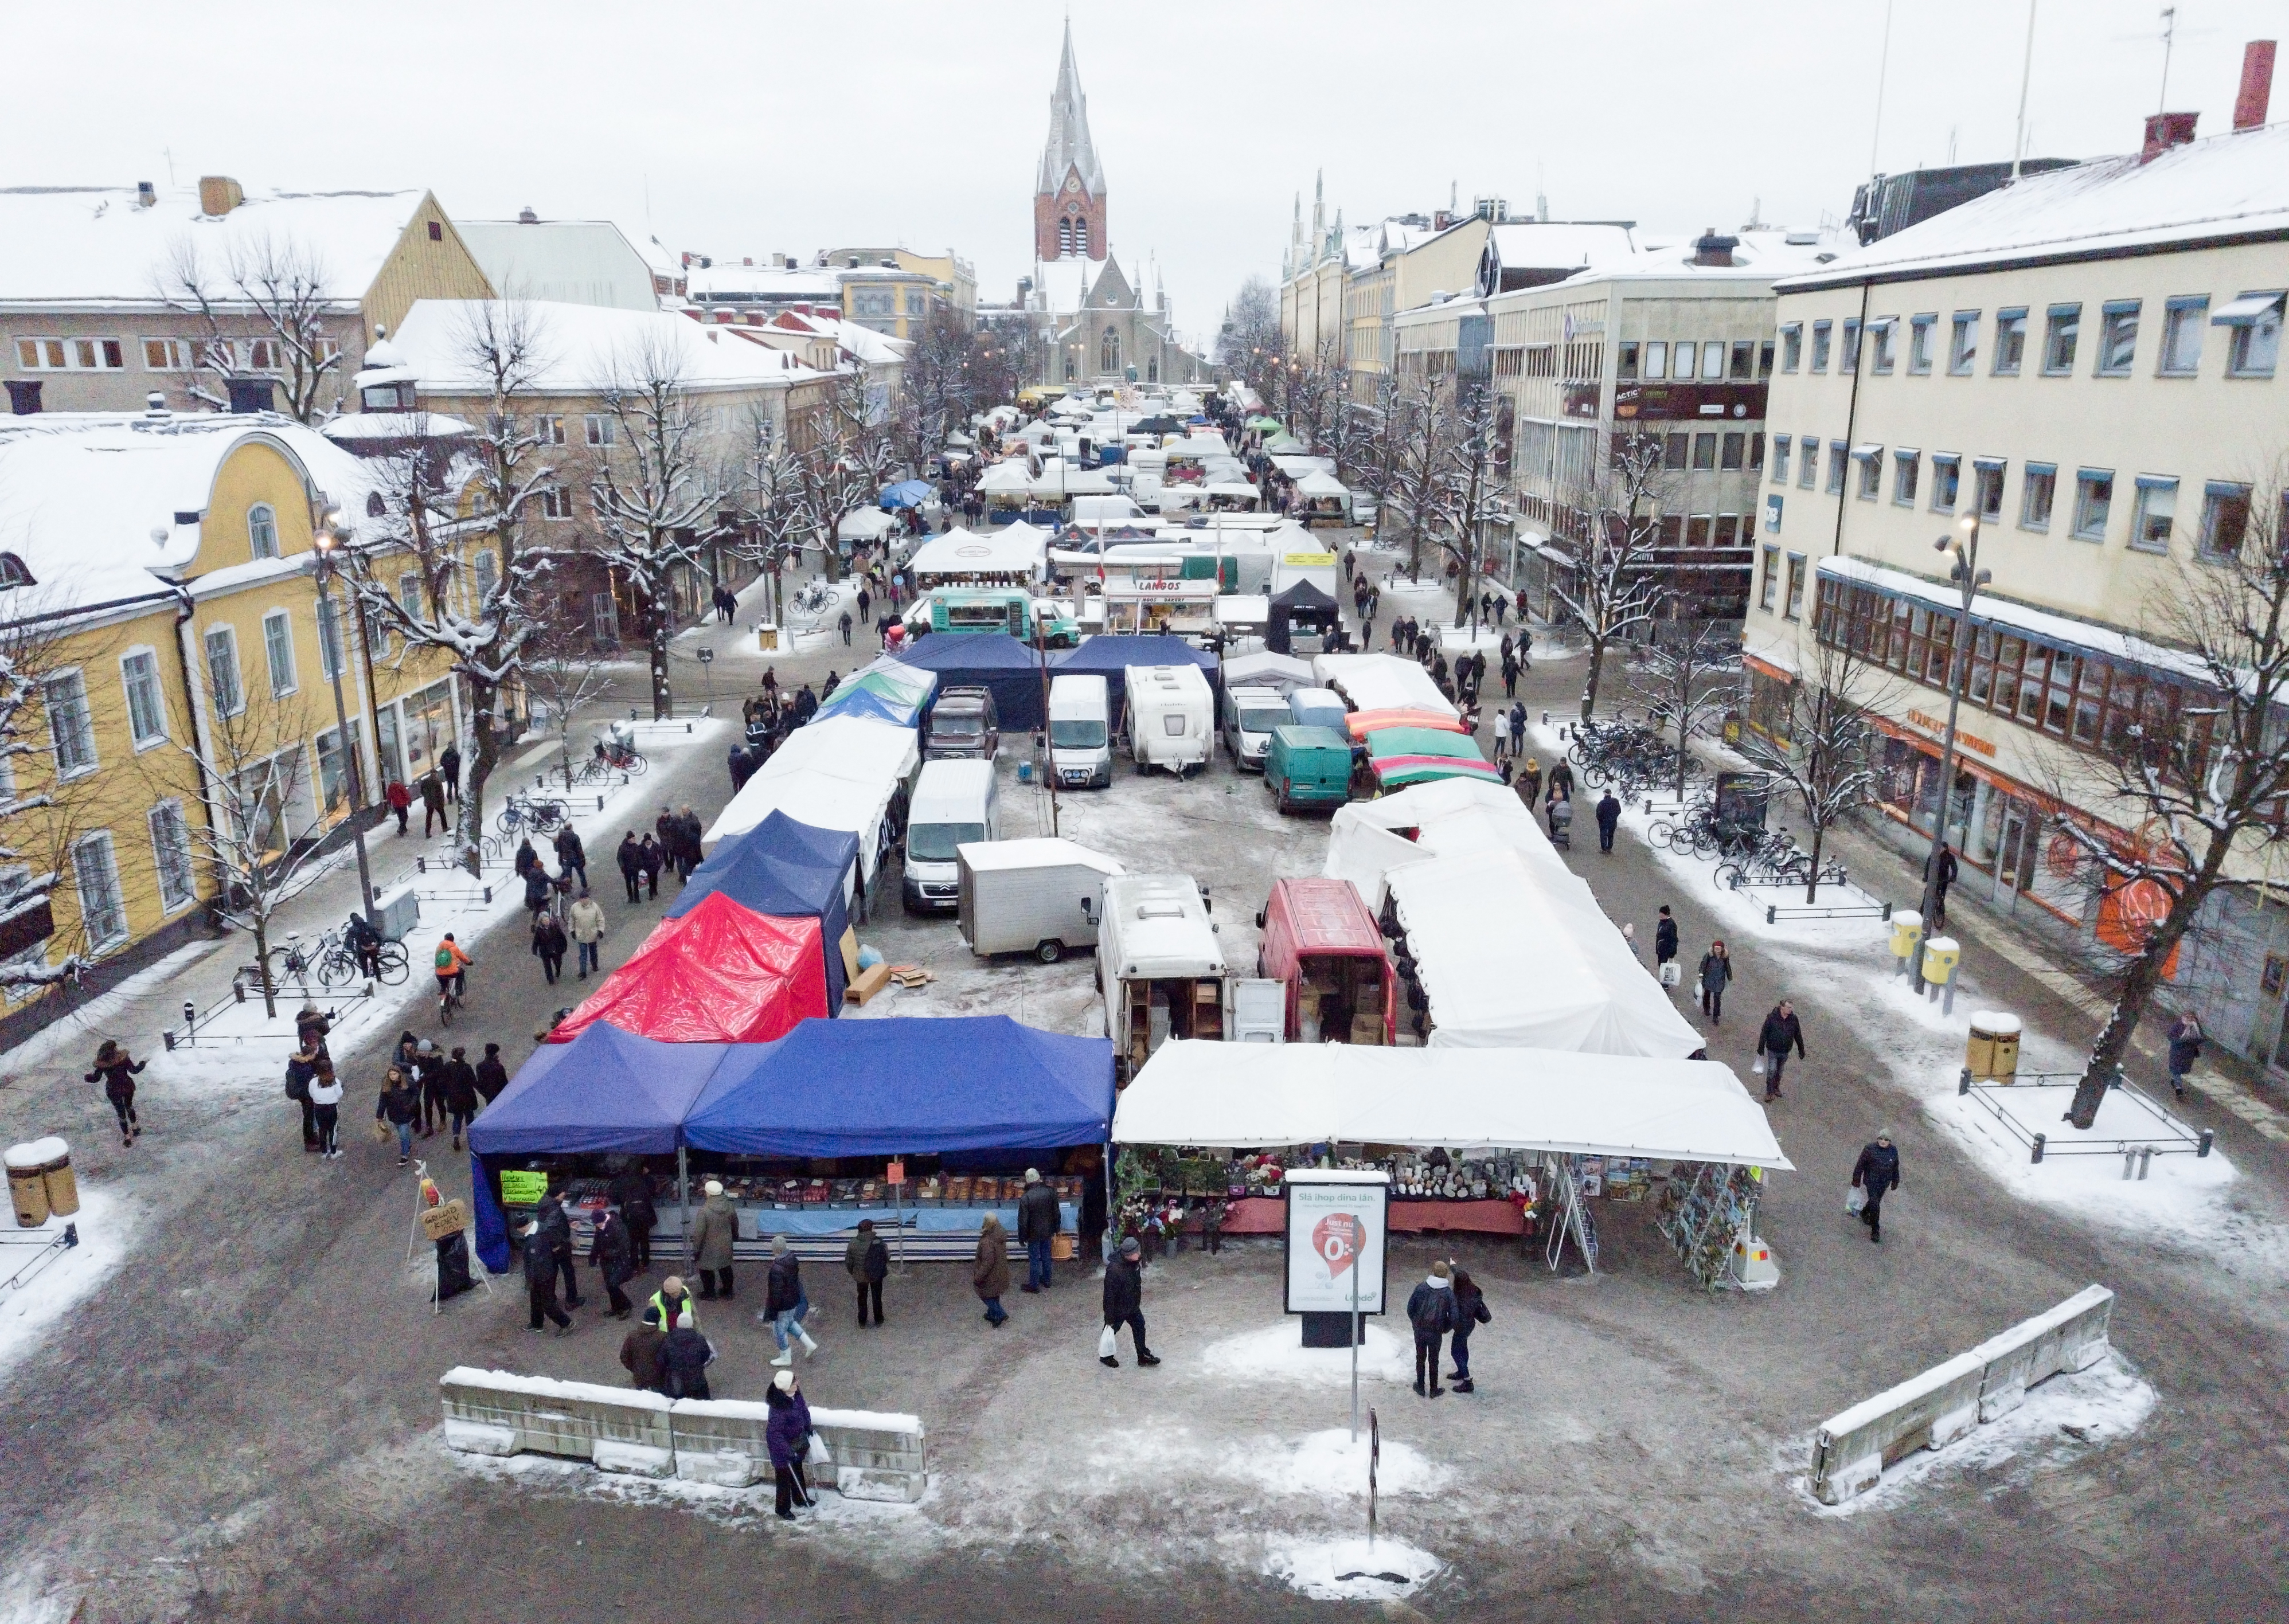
(878, 1455)
(636, 1460)
(2070, 1337)
(725, 1469)
(478, 1439)
(1925, 1411)
(552, 1417)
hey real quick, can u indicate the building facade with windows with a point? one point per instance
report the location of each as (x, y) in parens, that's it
(108, 295)
(2089, 362)
(158, 585)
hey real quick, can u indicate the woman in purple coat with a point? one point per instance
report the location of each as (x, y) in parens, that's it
(788, 1434)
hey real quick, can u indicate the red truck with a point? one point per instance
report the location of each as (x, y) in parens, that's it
(1319, 938)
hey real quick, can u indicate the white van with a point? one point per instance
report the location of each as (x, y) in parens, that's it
(1250, 712)
(954, 803)
(1106, 512)
(1171, 717)
(1080, 732)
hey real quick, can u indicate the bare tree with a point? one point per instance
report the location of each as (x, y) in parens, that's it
(1616, 590)
(281, 287)
(1818, 751)
(565, 667)
(1469, 499)
(654, 489)
(479, 577)
(768, 504)
(936, 383)
(1005, 357)
(1689, 682)
(2200, 776)
(36, 825)
(848, 468)
(1422, 430)
(1250, 336)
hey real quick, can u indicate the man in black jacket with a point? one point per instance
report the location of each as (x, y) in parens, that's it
(1876, 1171)
(1037, 1226)
(1124, 1303)
(571, 856)
(631, 1192)
(540, 1281)
(632, 863)
(556, 1233)
(1609, 818)
(460, 1089)
(1430, 1311)
(1780, 1033)
(492, 1077)
(1664, 935)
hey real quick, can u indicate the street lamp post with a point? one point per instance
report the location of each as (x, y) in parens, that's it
(1968, 577)
(329, 538)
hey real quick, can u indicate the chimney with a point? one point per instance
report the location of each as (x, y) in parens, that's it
(526, 217)
(155, 405)
(2165, 130)
(2249, 107)
(219, 195)
(146, 195)
(24, 396)
(250, 394)
(1710, 249)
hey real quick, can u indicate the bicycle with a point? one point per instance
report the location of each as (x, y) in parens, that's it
(338, 962)
(295, 965)
(450, 996)
(525, 814)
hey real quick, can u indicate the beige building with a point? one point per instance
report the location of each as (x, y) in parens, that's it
(108, 295)
(2089, 361)
(1342, 288)
(952, 278)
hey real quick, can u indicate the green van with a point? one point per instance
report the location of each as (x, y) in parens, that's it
(1308, 767)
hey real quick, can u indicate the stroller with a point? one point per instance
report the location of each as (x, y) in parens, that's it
(1562, 823)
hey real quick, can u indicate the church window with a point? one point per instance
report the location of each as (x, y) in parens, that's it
(1065, 235)
(1108, 351)
(1080, 238)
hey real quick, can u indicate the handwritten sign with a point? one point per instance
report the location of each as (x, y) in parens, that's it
(522, 1189)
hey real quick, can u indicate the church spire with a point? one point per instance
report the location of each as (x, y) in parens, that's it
(1069, 145)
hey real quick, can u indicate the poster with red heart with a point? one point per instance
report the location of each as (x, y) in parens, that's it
(1336, 1221)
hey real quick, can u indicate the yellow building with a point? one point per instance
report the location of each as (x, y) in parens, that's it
(157, 585)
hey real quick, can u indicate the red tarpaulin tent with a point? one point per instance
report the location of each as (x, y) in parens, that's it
(719, 975)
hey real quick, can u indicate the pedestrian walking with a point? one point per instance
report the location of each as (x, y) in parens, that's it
(2185, 1038)
(654, 860)
(492, 1076)
(449, 771)
(548, 944)
(1876, 1174)
(1529, 783)
(1780, 1032)
(433, 804)
(117, 1072)
(1664, 942)
(610, 1255)
(786, 1303)
(587, 919)
(683, 1360)
(989, 1273)
(1561, 775)
(1609, 818)
(537, 890)
(326, 1111)
(556, 1224)
(1716, 974)
(867, 1262)
(458, 1079)
(571, 856)
(1509, 672)
(1430, 1311)
(630, 1190)
(631, 859)
(1037, 1222)
(640, 1351)
(541, 1281)
(712, 1235)
(400, 1107)
(1947, 873)
(788, 1435)
(399, 801)
(844, 624)
(1471, 1311)
(688, 853)
(1124, 1305)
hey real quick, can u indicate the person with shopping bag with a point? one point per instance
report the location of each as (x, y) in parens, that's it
(1716, 976)
(789, 1435)
(1874, 1174)
(1780, 1032)
(1124, 1305)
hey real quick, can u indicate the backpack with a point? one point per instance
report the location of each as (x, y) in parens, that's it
(445, 965)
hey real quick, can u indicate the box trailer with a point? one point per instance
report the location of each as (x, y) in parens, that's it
(1038, 896)
(1160, 965)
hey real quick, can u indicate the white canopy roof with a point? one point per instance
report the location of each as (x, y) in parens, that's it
(1233, 487)
(1279, 671)
(1519, 956)
(1018, 550)
(1380, 682)
(1321, 485)
(837, 773)
(1007, 478)
(1454, 816)
(1296, 467)
(987, 855)
(866, 524)
(1520, 1099)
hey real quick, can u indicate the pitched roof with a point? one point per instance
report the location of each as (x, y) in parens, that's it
(97, 247)
(579, 262)
(582, 347)
(2226, 187)
(1069, 145)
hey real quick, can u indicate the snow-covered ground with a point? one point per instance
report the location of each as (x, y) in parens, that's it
(53, 1282)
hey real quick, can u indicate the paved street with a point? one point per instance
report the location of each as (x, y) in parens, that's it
(242, 1422)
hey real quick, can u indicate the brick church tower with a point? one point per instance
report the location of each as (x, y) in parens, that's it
(1069, 197)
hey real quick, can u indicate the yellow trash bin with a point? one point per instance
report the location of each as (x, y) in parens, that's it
(1907, 925)
(26, 1188)
(1941, 956)
(766, 638)
(57, 1178)
(1994, 1048)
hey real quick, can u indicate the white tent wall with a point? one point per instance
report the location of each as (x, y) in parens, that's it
(1516, 1099)
(840, 773)
(1381, 682)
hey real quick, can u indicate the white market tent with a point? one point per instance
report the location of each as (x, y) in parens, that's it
(1446, 817)
(1239, 489)
(867, 524)
(1006, 479)
(1319, 486)
(1296, 467)
(1511, 955)
(840, 772)
(1019, 553)
(1513, 1099)
(1380, 682)
(1063, 480)
(1277, 671)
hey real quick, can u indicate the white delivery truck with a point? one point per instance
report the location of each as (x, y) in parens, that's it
(1171, 717)
(1043, 897)
(955, 803)
(1160, 965)
(1104, 513)
(1080, 732)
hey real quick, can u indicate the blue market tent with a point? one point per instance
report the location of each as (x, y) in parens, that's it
(905, 493)
(604, 1092)
(1111, 655)
(788, 869)
(886, 689)
(849, 700)
(917, 1086)
(992, 660)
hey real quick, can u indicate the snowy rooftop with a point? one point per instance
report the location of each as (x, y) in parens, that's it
(584, 347)
(2229, 186)
(762, 282)
(98, 504)
(581, 262)
(98, 247)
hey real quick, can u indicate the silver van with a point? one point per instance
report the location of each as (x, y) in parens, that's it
(954, 803)
(1080, 732)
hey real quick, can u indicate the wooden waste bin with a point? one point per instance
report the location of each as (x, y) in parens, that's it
(26, 1188)
(1993, 1051)
(56, 1176)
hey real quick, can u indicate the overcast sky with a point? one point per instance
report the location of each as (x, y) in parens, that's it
(736, 131)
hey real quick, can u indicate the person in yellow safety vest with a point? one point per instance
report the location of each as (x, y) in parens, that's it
(673, 1298)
